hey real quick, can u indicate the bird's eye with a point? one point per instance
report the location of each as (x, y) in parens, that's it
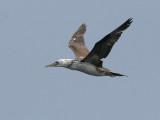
(57, 62)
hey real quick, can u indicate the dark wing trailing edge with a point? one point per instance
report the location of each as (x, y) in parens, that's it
(103, 47)
(77, 43)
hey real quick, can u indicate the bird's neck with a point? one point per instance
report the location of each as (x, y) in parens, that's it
(67, 62)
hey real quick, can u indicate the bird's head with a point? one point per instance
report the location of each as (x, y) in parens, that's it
(60, 63)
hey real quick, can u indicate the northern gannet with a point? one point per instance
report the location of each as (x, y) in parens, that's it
(90, 62)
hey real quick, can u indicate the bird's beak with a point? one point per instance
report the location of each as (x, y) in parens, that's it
(50, 65)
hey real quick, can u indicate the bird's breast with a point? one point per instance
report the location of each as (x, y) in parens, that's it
(86, 68)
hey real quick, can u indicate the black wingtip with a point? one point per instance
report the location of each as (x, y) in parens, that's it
(129, 21)
(125, 25)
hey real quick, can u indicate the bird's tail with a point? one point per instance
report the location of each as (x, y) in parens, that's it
(112, 74)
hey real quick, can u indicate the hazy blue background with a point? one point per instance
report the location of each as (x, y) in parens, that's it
(34, 33)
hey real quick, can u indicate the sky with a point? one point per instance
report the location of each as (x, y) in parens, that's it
(34, 33)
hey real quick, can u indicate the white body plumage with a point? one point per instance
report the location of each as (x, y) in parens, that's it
(80, 66)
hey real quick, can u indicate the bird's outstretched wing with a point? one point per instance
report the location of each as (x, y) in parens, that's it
(103, 47)
(77, 43)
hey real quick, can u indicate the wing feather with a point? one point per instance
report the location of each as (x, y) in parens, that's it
(103, 47)
(77, 43)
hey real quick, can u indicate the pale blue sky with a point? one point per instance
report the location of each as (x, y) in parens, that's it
(34, 33)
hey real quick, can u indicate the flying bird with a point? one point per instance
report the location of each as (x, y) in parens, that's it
(90, 62)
